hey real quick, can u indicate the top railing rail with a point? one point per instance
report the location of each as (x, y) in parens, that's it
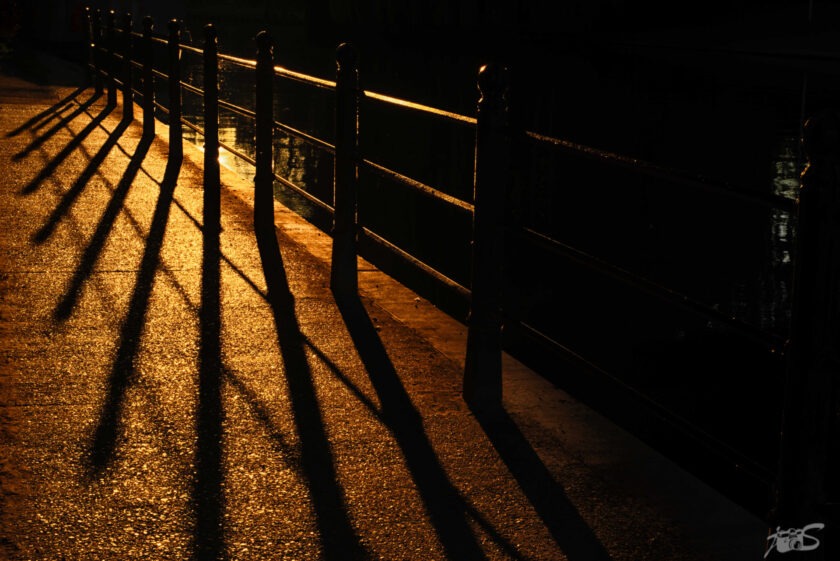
(669, 174)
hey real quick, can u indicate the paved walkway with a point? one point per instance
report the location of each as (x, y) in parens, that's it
(166, 393)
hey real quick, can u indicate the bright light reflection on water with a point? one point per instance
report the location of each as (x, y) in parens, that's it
(775, 308)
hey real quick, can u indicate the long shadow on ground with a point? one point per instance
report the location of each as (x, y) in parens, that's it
(106, 435)
(60, 124)
(339, 539)
(49, 167)
(106, 222)
(569, 530)
(92, 168)
(208, 491)
(41, 119)
(448, 511)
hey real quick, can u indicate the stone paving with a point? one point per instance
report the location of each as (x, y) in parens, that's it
(169, 392)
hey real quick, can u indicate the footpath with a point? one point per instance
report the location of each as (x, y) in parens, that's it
(169, 392)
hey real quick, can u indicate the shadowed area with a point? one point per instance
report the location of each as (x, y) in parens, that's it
(62, 122)
(108, 426)
(103, 228)
(569, 530)
(443, 502)
(339, 539)
(72, 193)
(41, 119)
(50, 166)
(208, 493)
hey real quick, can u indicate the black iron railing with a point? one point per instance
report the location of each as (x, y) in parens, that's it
(112, 65)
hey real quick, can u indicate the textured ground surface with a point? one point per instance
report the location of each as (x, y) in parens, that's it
(161, 399)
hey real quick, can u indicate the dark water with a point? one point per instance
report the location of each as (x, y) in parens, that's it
(734, 118)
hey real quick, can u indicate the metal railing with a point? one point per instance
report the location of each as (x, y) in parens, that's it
(110, 58)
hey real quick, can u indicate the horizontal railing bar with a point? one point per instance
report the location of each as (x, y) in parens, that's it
(162, 108)
(237, 109)
(774, 342)
(192, 89)
(305, 194)
(191, 49)
(419, 107)
(160, 40)
(304, 78)
(653, 170)
(418, 187)
(305, 137)
(744, 463)
(413, 261)
(196, 128)
(238, 154)
(136, 64)
(247, 63)
(137, 34)
(160, 74)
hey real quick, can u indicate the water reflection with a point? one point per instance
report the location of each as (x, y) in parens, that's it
(775, 288)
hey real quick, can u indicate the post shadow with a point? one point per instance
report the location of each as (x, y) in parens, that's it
(208, 494)
(106, 222)
(338, 537)
(60, 124)
(561, 518)
(444, 504)
(45, 116)
(104, 440)
(75, 142)
(58, 113)
(73, 192)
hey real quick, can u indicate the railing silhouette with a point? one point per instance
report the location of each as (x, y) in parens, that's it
(809, 382)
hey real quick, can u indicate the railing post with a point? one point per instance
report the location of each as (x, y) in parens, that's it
(111, 61)
(344, 273)
(483, 368)
(176, 137)
(807, 496)
(128, 92)
(211, 108)
(91, 62)
(148, 78)
(264, 178)
(96, 35)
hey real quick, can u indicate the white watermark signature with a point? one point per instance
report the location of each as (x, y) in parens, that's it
(793, 539)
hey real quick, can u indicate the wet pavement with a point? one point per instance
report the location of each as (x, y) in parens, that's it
(172, 389)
